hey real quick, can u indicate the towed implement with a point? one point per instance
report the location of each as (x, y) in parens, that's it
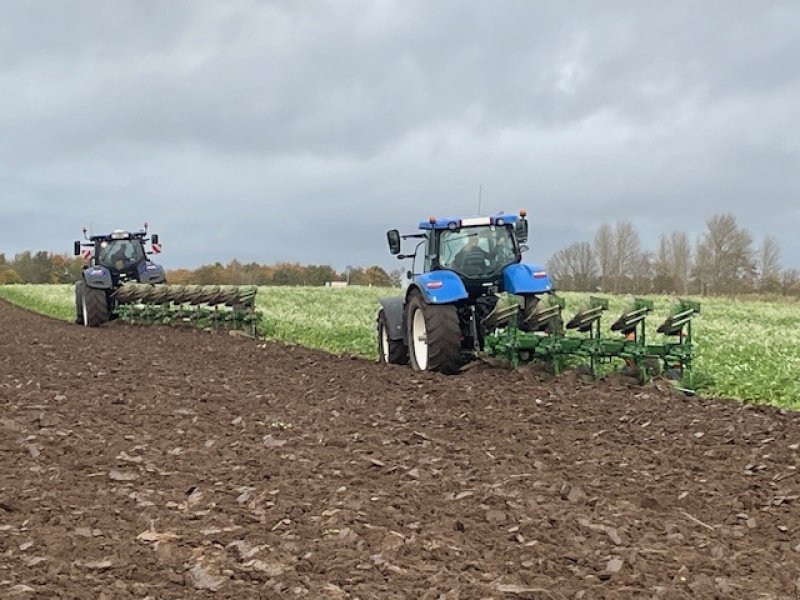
(582, 341)
(119, 281)
(471, 295)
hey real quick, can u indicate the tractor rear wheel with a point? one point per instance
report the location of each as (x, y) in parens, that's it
(94, 306)
(434, 336)
(390, 352)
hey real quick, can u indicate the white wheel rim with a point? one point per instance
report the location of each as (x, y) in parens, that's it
(420, 333)
(85, 310)
(384, 343)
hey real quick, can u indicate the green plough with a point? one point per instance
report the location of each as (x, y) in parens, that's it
(207, 307)
(542, 337)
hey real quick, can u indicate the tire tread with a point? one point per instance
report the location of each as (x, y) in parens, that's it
(96, 306)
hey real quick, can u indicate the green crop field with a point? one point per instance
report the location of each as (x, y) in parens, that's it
(747, 349)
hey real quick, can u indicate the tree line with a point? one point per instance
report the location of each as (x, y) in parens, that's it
(40, 267)
(723, 260)
(284, 273)
(47, 267)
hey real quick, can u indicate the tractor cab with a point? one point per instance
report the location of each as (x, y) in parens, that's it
(477, 249)
(122, 256)
(478, 252)
(120, 253)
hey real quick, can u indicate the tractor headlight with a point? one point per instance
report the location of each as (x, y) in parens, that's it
(500, 222)
(452, 225)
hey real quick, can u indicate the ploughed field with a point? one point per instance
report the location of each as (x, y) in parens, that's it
(172, 463)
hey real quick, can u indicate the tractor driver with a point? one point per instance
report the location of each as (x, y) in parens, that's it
(122, 253)
(503, 253)
(472, 259)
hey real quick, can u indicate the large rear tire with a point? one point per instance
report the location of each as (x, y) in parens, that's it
(390, 352)
(94, 306)
(434, 336)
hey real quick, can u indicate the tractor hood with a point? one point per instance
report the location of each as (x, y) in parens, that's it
(151, 273)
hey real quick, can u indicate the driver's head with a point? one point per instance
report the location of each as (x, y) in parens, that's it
(483, 236)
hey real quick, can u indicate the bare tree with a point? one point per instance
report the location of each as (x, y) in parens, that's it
(790, 282)
(663, 281)
(642, 273)
(627, 256)
(673, 262)
(603, 247)
(768, 259)
(681, 250)
(724, 256)
(574, 267)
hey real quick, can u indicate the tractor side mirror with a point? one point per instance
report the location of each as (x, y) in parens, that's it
(77, 248)
(154, 238)
(521, 230)
(393, 237)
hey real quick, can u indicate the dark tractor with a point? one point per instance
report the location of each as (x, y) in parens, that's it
(112, 261)
(452, 303)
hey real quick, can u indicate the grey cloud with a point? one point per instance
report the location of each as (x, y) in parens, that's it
(301, 130)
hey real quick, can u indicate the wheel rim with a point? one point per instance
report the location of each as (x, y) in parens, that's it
(85, 310)
(384, 343)
(420, 334)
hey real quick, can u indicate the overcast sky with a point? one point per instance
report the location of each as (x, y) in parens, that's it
(302, 130)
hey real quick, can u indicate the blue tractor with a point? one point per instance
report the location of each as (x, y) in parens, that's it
(460, 265)
(113, 260)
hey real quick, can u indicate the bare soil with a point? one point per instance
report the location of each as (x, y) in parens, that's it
(168, 463)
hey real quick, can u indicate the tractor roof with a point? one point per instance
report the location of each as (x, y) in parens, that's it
(119, 234)
(457, 222)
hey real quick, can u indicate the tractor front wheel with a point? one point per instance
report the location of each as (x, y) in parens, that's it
(434, 336)
(390, 352)
(94, 306)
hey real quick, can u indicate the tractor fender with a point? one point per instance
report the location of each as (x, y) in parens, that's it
(151, 273)
(439, 287)
(393, 308)
(98, 277)
(524, 279)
